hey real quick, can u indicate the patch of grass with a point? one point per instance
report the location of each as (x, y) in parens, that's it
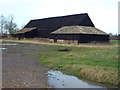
(114, 41)
(11, 51)
(96, 64)
(27, 55)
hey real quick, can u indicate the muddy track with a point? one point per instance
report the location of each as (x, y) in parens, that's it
(20, 67)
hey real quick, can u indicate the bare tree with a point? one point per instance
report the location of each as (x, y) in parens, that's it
(110, 34)
(2, 23)
(11, 26)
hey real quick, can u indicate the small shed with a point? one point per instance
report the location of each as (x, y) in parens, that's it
(26, 33)
(3, 36)
(83, 34)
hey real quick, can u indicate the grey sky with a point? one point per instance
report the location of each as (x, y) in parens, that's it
(104, 13)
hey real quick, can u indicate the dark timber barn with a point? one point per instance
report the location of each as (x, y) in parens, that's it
(43, 28)
(83, 34)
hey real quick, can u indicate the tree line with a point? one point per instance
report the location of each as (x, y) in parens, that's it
(8, 25)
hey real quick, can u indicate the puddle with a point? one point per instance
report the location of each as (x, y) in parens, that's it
(8, 44)
(2, 45)
(3, 48)
(59, 80)
(64, 50)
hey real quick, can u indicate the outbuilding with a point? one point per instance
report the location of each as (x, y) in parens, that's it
(26, 32)
(83, 34)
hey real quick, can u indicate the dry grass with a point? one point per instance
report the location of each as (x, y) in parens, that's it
(97, 74)
(63, 43)
(100, 74)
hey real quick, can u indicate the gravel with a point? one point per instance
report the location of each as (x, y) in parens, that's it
(20, 67)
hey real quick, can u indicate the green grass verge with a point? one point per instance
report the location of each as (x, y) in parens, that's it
(98, 64)
(114, 41)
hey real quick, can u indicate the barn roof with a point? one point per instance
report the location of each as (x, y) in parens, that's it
(53, 23)
(78, 30)
(24, 30)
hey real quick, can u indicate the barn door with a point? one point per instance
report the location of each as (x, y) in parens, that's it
(79, 38)
(55, 39)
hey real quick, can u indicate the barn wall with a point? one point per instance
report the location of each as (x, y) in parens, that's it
(45, 33)
(31, 34)
(66, 36)
(85, 38)
(17, 35)
(82, 38)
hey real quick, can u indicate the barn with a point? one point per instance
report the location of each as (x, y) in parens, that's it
(83, 34)
(47, 25)
(43, 28)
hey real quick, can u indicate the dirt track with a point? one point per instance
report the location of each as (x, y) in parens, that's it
(21, 68)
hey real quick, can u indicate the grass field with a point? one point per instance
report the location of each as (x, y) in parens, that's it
(99, 64)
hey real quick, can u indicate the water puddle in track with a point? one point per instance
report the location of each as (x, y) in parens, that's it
(3, 48)
(2, 45)
(59, 80)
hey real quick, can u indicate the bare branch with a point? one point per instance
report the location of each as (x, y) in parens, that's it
(2, 23)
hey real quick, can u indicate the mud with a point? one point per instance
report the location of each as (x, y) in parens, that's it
(20, 67)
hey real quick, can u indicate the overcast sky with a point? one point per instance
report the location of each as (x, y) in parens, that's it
(104, 13)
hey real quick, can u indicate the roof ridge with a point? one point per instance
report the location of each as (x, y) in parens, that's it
(60, 16)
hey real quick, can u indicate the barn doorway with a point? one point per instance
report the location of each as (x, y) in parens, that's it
(55, 39)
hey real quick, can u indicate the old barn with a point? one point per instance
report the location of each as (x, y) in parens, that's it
(43, 28)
